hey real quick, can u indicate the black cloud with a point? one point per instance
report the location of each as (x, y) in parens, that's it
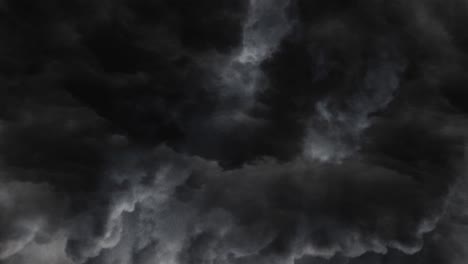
(261, 131)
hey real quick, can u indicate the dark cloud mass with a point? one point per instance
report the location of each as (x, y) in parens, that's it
(233, 132)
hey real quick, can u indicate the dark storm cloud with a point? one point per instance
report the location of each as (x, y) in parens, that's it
(255, 213)
(28, 213)
(261, 131)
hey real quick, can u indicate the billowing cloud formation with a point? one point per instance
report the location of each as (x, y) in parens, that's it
(232, 132)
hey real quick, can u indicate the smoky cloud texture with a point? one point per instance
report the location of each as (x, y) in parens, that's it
(233, 132)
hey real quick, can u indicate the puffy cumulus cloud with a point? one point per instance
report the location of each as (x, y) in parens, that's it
(233, 132)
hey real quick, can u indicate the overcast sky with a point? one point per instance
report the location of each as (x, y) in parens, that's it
(233, 132)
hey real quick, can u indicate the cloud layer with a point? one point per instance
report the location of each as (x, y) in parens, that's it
(233, 132)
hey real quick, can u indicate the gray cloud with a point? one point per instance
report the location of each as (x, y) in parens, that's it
(179, 209)
(233, 132)
(336, 130)
(29, 215)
